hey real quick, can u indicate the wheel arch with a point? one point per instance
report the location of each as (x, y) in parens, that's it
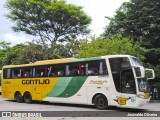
(26, 92)
(98, 94)
(16, 93)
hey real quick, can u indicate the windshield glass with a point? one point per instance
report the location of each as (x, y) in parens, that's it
(136, 61)
(142, 85)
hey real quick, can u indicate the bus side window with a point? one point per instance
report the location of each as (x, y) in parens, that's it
(27, 72)
(7, 73)
(60, 73)
(80, 69)
(93, 67)
(74, 69)
(16, 73)
(57, 70)
(41, 71)
(51, 71)
(97, 67)
(103, 68)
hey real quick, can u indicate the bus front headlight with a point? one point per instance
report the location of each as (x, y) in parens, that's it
(144, 96)
(140, 96)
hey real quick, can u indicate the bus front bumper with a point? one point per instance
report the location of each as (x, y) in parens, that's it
(141, 101)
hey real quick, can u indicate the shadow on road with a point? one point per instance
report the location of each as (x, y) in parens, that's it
(111, 108)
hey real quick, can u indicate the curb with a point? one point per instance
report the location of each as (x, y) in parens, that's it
(154, 101)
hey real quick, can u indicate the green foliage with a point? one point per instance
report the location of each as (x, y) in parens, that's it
(64, 50)
(152, 60)
(13, 55)
(153, 56)
(138, 19)
(54, 20)
(156, 68)
(107, 46)
(4, 45)
(35, 51)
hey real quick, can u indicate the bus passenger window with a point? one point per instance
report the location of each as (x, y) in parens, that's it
(74, 69)
(7, 73)
(80, 69)
(16, 73)
(41, 71)
(97, 67)
(26, 72)
(60, 73)
(93, 67)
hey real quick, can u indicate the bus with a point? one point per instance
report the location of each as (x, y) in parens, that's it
(113, 80)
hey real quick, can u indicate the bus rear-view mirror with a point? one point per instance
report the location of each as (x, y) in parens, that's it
(149, 73)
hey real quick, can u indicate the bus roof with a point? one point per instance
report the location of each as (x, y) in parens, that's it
(63, 60)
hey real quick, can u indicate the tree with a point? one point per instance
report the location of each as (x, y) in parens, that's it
(118, 45)
(3, 50)
(64, 50)
(4, 45)
(54, 20)
(138, 19)
(34, 52)
(14, 55)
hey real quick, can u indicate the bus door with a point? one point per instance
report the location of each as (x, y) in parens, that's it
(127, 87)
(124, 81)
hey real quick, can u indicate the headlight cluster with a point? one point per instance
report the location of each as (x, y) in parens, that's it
(145, 96)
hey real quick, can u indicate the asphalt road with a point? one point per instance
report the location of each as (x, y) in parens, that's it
(63, 111)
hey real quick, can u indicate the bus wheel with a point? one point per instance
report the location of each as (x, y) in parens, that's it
(27, 97)
(18, 97)
(100, 102)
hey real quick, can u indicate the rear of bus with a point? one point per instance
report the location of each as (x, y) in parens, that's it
(130, 82)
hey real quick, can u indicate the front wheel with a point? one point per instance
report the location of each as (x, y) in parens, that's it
(27, 97)
(100, 102)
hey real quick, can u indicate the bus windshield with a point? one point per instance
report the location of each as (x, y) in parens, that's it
(142, 84)
(136, 61)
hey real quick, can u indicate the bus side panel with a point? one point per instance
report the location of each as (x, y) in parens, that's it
(76, 90)
(66, 89)
(35, 86)
(4, 92)
(97, 85)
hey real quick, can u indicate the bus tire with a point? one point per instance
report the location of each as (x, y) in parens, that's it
(27, 97)
(18, 97)
(100, 102)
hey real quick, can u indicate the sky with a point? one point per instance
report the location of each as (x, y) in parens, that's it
(96, 9)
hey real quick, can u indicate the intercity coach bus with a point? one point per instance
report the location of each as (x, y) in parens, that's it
(113, 80)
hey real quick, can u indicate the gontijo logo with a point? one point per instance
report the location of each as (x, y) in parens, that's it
(36, 81)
